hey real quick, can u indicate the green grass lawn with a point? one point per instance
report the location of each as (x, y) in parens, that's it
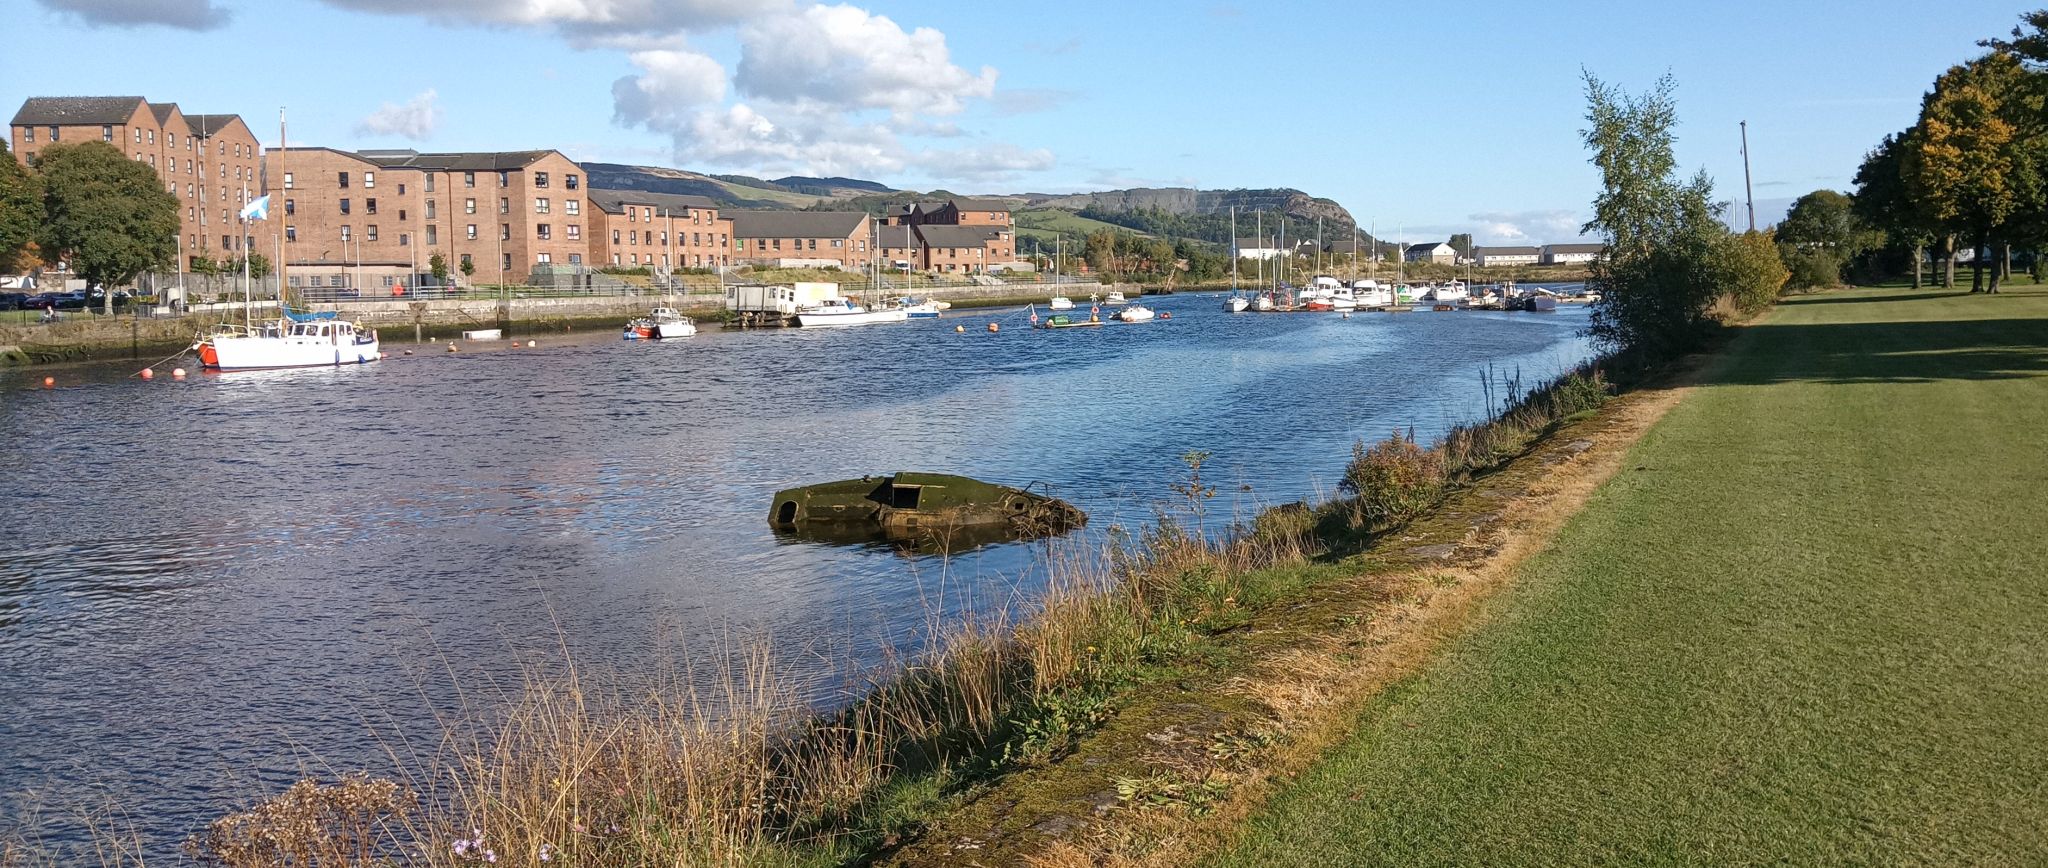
(1807, 623)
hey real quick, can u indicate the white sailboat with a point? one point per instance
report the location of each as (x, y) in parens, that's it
(1236, 303)
(835, 312)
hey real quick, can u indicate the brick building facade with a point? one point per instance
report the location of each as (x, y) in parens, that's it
(659, 230)
(803, 237)
(210, 162)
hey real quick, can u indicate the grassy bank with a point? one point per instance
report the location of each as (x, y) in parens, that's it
(1804, 626)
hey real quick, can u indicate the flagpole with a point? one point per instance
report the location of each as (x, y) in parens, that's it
(248, 321)
(280, 224)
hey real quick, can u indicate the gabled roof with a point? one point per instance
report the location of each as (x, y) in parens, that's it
(1574, 248)
(958, 236)
(795, 224)
(208, 126)
(1506, 251)
(72, 110)
(1430, 246)
(615, 201)
(474, 161)
(981, 205)
(163, 111)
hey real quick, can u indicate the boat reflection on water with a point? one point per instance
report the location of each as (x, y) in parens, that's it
(919, 513)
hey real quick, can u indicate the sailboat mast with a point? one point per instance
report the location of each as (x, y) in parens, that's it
(1259, 227)
(280, 224)
(1233, 250)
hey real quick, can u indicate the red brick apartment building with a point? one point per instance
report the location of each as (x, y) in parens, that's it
(210, 162)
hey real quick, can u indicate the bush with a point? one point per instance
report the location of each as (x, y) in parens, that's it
(1751, 271)
(1811, 268)
(1393, 479)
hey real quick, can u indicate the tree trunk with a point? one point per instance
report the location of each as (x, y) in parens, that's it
(1948, 255)
(1917, 251)
(1998, 271)
(1978, 247)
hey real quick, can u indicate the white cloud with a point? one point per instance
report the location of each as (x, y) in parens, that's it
(1524, 227)
(846, 56)
(588, 16)
(998, 162)
(670, 83)
(414, 120)
(193, 15)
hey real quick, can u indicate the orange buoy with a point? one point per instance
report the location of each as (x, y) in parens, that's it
(1166, 316)
(177, 373)
(49, 382)
(993, 328)
(147, 373)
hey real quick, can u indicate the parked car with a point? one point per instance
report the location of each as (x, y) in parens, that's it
(14, 301)
(69, 300)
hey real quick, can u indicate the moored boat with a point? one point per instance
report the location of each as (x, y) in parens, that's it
(1115, 297)
(920, 308)
(1135, 313)
(834, 312)
(919, 508)
(1061, 302)
(288, 343)
(663, 323)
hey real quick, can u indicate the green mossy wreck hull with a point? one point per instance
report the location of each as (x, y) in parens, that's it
(924, 510)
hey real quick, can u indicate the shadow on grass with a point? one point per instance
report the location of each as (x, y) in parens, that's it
(1860, 298)
(1894, 352)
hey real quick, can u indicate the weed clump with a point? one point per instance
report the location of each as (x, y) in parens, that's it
(1393, 480)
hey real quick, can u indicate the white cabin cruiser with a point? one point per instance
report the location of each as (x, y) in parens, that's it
(833, 312)
(288, 343)
(1135, 313)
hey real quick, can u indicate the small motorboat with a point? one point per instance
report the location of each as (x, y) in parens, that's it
(1061, 302)
(299, 340)
(664, 323)
(920, 308)
(1135, 313)
(1114, 297)
(1538, 302)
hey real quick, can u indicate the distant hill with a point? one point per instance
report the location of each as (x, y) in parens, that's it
(1188, 202)
(833, 187)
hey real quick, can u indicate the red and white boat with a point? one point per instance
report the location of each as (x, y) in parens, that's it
(288, 343)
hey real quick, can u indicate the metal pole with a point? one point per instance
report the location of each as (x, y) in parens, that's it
(1748, 192)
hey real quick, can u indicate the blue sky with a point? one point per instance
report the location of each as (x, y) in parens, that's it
(1456, 117)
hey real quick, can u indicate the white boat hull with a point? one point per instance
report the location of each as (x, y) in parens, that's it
(1061, 303)
(1135, 313)
(668, 330)
(270, 353)
(817, 319)
(1236, 304)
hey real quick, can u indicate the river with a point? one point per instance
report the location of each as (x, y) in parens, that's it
(209, 587)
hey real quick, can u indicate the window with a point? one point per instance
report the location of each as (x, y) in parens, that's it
(53, 132)
(227, 242)
(838, 242)
(389, 281)
(633, 238)
(575, 259)
(28, 134)
(344, 233)
(430, 184)
(223, 149)
(404, 240)
(369, 206)
(433, 235)
(633, 259)
(315, 281)
(814, 244)
(287, 180)
(466, 261)
(224, 172)
(138, 134)
(632, 216)
(505, 262)
(469, 179)
(296, 280)
(615, 238)
(575, 232)
(540, 179)
(542, 258)
(615, 259)
(504, 205)
(572, 206)
(370, 180)
(152, 137)
(471, 233)
(344, 206)
(569, 181)
(401, 215)
(342, 180)
(107, 132)
(540, 206)
(370, 232)
(778, 244)
(504, 179)
(290, 207)
(504, 232)
(430, 209)
(540, 230)
(469, 206)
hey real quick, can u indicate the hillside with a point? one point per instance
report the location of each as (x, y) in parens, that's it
(1185, 201)
(730, 191)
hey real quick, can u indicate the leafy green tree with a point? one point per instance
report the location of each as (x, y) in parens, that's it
(1663, 270)
(1969, 162)
(259, 266)
(468, 269)
(1820, 235)
(108, 215)
(21, 209)
(1882, 202)
(1462, 242)
(437, 265)
(1752, 271)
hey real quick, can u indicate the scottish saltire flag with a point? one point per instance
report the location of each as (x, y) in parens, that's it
(257, 209)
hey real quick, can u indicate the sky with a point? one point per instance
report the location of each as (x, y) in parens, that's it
(1421, 120)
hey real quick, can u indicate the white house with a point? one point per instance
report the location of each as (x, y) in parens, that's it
(1254, 248)
(1572, 254)
(1494, 257)
(1439, 252)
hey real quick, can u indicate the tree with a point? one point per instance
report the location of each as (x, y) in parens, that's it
(1662, 271)
(109, 216)
(467, 268)
(259, 266)
(1820, 235)
(1882, 201)
(1752, 270)
(1967, 161)
(1462, 242)
(437, 265)
(21, 210)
